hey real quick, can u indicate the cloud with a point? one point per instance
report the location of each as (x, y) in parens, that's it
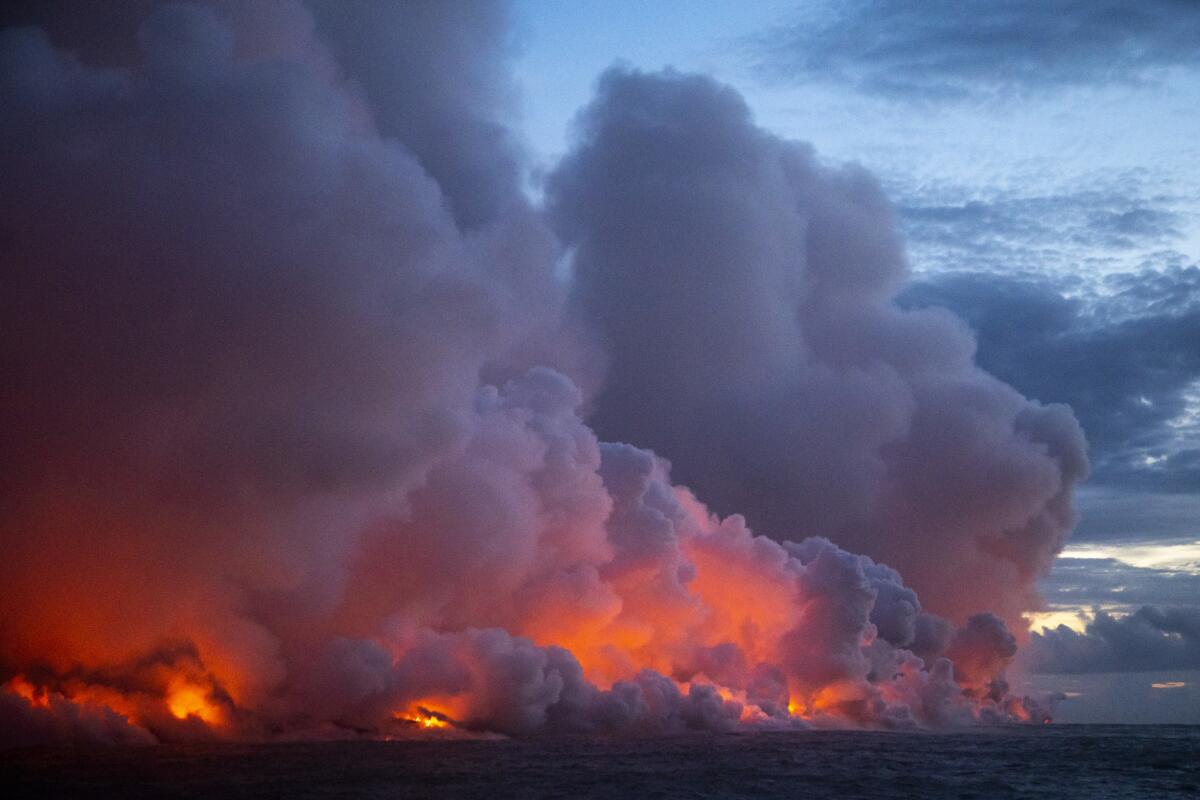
(60, 721)
(434, 75)
(242, 322)
(945, 50)
(1151, 638)
(1124, 698)
(437, 77)
(1110, 514)
(743, 294)
(1120, 353)
(1070, 233)
(1079, 584)
(297, 406)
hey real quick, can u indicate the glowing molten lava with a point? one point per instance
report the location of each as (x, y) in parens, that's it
(186, 700)
(424, 718)
(716, 629)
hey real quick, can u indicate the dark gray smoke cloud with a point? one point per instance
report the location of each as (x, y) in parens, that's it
(1151, 638)
(744, 294)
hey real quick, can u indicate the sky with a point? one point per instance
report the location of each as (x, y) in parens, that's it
(473, 367)
(1044, 163)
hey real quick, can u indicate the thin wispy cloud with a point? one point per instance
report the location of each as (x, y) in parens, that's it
(948, 50)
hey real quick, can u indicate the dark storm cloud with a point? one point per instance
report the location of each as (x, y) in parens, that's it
(1174, 290)
(1122, 354)
(946, 49)
(1082, 583)
(1151, 638)
(744, 293)
(1143, 698)
(1111, 514)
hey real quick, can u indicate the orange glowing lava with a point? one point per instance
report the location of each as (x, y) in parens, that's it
(428, 721)
(424, 718)
(186, 700)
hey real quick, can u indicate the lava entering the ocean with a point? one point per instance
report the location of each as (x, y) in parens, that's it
(317, 425)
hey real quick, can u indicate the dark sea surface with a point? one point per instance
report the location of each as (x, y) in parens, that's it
(1061, 761)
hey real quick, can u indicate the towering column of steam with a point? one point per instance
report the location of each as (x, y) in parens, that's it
(293, 440)
(744, 294)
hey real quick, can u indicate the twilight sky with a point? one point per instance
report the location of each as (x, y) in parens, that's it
(1044, 162)
(597, 366)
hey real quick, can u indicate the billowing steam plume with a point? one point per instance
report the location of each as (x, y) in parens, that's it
(296, 403)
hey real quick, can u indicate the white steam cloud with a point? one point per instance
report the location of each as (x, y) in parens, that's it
(295, 436)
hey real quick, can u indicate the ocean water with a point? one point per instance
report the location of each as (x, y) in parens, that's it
(1051, 762)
